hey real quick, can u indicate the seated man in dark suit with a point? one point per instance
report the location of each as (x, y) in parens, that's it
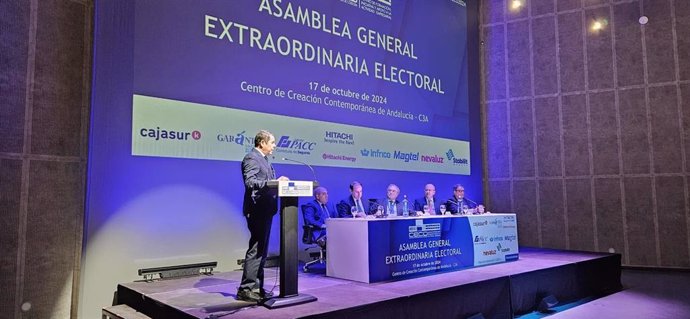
(354, 200)
(459, 204)
(316, 213)
(429, 199)
(391, 204)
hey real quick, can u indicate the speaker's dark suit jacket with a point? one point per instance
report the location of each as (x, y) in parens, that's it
(258, 207)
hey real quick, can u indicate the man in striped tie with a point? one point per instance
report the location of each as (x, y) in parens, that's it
(429, 200)
(355, 202)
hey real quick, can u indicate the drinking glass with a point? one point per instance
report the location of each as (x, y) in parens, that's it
(426, 209)
(443, 209)
(353, 211)
(379, 211)
(465, 209)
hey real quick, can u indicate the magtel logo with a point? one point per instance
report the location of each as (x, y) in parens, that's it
(164, 134)
(457, 161)
(406, 157)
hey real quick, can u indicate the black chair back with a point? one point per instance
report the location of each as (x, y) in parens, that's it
(308, 230)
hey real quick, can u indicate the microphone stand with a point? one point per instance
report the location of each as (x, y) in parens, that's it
(303, 163)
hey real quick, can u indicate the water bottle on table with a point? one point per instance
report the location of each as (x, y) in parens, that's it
(406, 211)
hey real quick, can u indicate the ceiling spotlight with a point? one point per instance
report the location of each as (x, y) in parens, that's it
(516, 4)
(643, 20)
(598, 25)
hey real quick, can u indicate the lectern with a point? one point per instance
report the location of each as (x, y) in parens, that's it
(289, 193)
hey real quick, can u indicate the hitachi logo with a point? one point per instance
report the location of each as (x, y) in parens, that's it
(339, 135)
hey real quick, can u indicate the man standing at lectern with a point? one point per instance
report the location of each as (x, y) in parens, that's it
(259, 207)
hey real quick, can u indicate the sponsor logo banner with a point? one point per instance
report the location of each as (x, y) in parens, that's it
(495, 238)
(170, 128)
(405, 248)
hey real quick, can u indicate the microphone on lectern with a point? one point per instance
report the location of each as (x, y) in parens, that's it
(303, 163)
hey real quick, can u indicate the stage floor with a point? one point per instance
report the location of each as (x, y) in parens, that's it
(496, 291)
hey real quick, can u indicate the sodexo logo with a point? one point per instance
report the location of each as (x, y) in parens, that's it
(456, 161)
(166, 134)
(295, 145)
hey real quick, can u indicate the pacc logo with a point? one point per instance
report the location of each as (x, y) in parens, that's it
(164, 134)
(456, 161)
(297, 145)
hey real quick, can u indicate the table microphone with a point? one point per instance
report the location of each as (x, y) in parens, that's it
(471, 201)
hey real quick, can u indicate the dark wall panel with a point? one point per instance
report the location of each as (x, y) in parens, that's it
(14, 23)
(498, 148)
(570, 53)
(673, 227)
(525, 206)
(56, 122)
(609, 214)
(552, 213)
(579, 212)
(548, 137)
(10, 193)
(634, 131)
(663, 102)
(522, 138)
(640, 213)
(575, 135)
(52, 224)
